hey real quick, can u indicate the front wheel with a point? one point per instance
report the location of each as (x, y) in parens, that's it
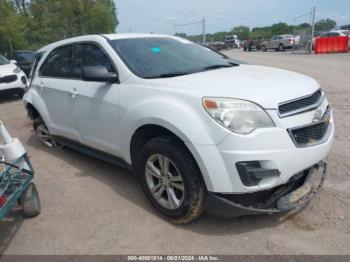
(263, 48)
(171, 180)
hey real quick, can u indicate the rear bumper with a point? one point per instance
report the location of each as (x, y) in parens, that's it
(293, 195)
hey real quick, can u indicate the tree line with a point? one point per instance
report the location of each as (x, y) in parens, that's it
(245, 32)
(31, 24)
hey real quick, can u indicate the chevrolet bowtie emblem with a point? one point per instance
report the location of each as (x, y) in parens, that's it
(317, 115)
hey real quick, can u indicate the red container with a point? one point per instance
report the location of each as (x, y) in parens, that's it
(335, 44)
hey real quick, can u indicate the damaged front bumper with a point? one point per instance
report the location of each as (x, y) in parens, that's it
(293, 195)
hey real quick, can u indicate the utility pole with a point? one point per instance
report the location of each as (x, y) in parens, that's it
(312, 28)
(204, 32)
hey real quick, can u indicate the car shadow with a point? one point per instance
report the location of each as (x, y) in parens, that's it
(125, 184)
(9, 228)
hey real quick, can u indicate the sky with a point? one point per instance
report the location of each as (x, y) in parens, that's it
(159, 16)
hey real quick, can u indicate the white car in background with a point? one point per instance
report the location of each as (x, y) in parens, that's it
(200, 131)
(13, 81)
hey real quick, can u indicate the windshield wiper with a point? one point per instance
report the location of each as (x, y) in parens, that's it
(167, 75)
(212, 67)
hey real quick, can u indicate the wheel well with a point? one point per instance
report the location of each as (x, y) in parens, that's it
(147, 132)
(32, 112)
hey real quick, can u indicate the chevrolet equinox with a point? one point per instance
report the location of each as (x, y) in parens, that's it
(201, 131)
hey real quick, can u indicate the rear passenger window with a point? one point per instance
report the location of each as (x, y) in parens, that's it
(58, 63)
(90, 55)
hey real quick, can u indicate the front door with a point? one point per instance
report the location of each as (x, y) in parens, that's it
(96, 107)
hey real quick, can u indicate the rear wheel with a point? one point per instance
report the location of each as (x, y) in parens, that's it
(171, 180)
(281, 48)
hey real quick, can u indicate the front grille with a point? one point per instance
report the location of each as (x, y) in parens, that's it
(300, 105)
(312, 134)
(8, 79)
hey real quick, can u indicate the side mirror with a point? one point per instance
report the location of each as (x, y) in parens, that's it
(13, 62)
(98, 73)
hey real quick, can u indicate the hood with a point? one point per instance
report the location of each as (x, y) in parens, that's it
(265, 86)
(7, 69)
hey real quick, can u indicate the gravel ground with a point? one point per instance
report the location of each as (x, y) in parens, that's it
(90, 207)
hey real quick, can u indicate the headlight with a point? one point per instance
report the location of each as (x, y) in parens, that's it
(17, 70)
(239, 116)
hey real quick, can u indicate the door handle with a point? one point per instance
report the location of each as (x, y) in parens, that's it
(73, 93)
(41, 86)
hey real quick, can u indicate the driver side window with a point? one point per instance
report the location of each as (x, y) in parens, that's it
(90, 55)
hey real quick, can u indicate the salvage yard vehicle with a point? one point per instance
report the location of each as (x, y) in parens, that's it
(253, 43)
(12, 79)
(200, 131)
(280, 42)
(24, 59)
(232, 41)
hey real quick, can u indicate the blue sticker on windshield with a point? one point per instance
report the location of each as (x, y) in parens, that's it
(155, 49)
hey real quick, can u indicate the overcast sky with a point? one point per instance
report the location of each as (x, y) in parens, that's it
(158, 16)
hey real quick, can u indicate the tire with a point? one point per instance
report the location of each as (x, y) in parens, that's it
(281, 48)
(263, 48)
(30, 201)
(245, 49)
(249, 48)
(183, 182)
(44, 134)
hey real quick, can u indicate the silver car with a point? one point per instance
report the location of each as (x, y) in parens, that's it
(279, 43)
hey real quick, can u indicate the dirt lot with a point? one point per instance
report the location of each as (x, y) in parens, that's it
(90, 207)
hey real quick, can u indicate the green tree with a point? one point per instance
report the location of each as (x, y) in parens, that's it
(12, 28)
(59, 19)
(325, 25)
(31, 24)
(243, 32)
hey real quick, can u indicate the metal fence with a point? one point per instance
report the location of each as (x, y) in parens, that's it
(303, 35)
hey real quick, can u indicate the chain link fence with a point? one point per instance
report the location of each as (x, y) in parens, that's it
(304, 33)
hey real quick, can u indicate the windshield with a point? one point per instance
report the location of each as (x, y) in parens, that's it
(3, 60)
(159, 57)
(25, 56)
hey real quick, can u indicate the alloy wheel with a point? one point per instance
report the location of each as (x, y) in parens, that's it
(164, 181)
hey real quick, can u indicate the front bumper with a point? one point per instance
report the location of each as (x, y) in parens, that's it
(293, 195)
(16, 87)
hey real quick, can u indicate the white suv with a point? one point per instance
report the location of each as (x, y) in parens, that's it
(199, 130)
(13, 81)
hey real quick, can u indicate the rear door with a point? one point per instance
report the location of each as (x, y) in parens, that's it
(96, 110)
(270, 44)
(54, 84)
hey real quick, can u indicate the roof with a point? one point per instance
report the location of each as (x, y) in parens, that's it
(128, 36)
(108, 36)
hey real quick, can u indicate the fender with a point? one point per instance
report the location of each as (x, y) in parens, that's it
(179, 118)
(36, 101)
